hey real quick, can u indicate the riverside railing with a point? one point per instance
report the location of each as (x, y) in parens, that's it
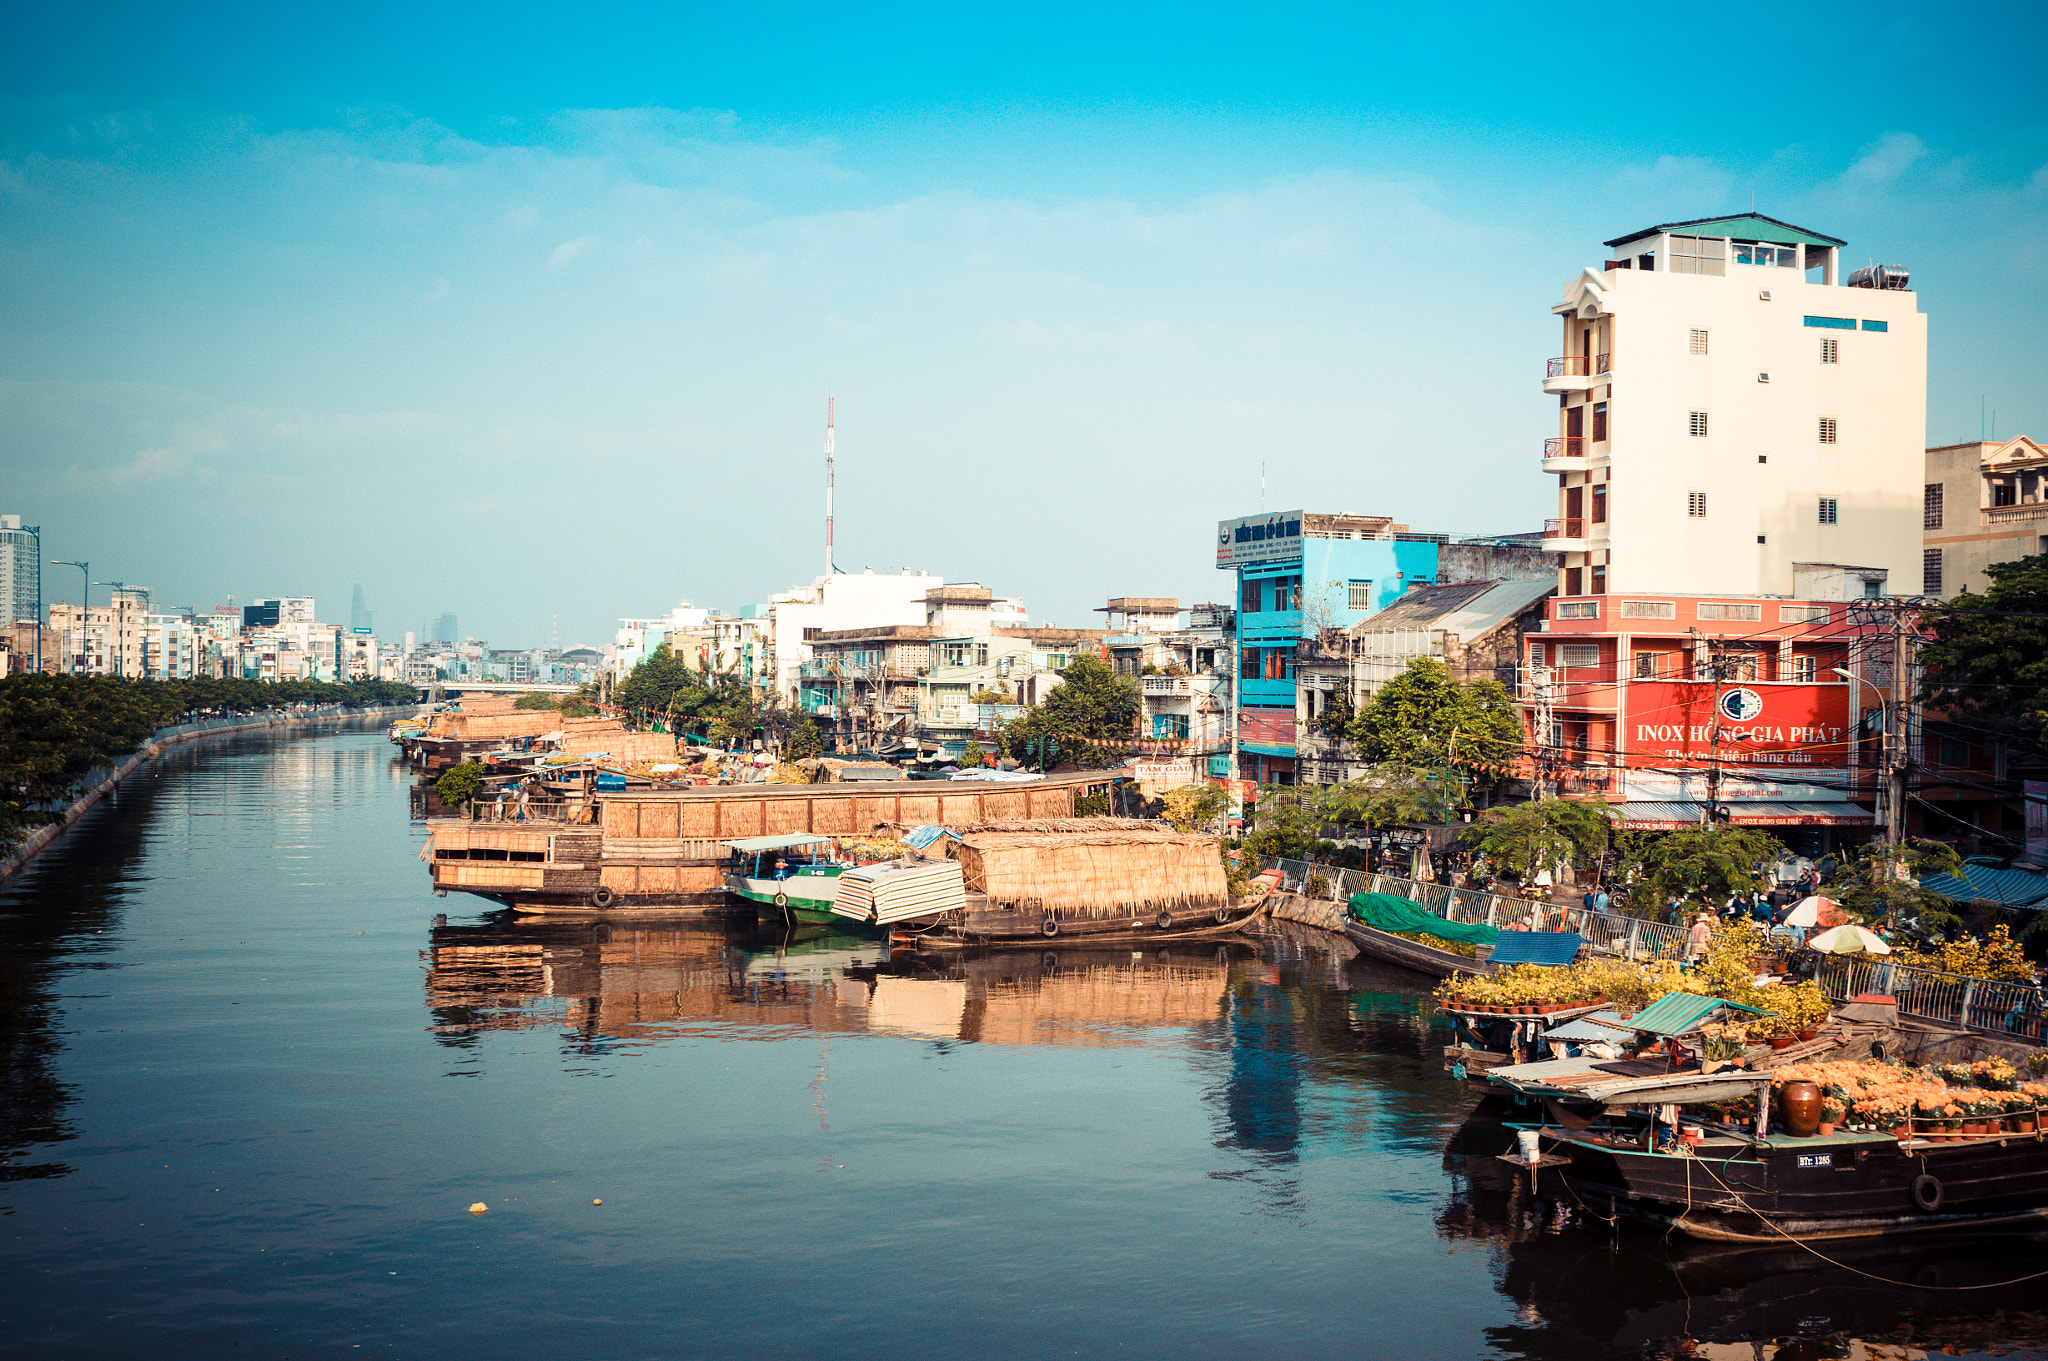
(1630, 937)
(1982, 1004)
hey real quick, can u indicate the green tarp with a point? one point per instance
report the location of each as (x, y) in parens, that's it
(1389, 913)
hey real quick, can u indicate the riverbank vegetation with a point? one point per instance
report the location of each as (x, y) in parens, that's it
(56, 730)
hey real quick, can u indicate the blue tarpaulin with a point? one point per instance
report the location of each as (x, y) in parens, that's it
(1536, 947)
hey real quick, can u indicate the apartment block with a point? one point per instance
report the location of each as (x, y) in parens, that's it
(1728, 405)
(1985, 501)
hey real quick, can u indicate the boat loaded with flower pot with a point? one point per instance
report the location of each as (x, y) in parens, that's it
(1807, 1151)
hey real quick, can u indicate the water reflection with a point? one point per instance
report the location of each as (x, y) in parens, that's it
(639, 982)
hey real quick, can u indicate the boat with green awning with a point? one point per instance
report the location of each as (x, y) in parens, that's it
(791, 878)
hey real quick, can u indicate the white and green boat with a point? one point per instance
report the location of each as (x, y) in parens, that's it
(790, 878)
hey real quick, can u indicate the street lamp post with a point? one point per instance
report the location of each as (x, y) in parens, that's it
(85, 570)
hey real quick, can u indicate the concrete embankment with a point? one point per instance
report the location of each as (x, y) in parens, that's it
(99, 783)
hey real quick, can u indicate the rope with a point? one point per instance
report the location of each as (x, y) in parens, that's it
(1884, 1280)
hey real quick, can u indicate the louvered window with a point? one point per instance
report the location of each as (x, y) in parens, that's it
(1930, 571)
(1699, 341)
(1930, 506)
(1699, 425)
(1696, 504)
(1827, 510)
(1830, 350)
(1827, 429)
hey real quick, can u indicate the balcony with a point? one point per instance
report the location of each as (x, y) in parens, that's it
(1575, 372)
(1166, 687)
(2006, 515)
(1567, 454)
(1565, 535)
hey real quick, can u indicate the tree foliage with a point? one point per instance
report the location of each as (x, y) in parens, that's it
(459, 784)
(1092, 707)
(717, 705)
(1549, 833)
(1427, 717)
(1987, 662)
(1710, 861)
(1869, 885)
(1195, 807)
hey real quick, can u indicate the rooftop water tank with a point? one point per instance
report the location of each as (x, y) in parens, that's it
(1881, 276)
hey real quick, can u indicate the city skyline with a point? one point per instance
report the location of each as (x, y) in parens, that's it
(295, 306)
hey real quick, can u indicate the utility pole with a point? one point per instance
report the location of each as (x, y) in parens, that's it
(1896, 748)
(829, 413)
(1713, 733)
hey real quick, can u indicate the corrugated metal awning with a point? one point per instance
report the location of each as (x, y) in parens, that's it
(1665, 815)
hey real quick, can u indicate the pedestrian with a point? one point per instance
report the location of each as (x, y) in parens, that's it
(1587, 900)
(1697, 940)
(1601, 902)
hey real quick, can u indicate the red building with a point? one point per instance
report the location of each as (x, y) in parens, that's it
(1670, 706)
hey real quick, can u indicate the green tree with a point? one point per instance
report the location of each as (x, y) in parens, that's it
(1288, 820)
(1527, 837)
(1395, 792)
(459, 784)
(1092, 706)
(804, 741)
(534, 701)
(1427, 717)
(1713, 861)
(1866, 884)
(1987, 661)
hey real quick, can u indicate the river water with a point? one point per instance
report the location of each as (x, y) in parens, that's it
(253, 1081)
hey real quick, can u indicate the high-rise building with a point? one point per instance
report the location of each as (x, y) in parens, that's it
(21, 570)
(444, 630)
(359, 614)
(1729, 406)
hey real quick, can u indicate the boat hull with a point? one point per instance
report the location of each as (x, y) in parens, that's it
(1410, 954)
(1839, 1187)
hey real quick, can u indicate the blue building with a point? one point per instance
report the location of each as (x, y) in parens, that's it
(1300, 573)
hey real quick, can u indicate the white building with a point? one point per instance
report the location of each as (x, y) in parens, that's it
(1728, 406)
(834, 603)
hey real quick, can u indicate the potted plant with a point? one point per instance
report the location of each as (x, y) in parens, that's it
(1831, 1114)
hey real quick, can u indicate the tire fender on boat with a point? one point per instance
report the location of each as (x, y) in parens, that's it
(1049, 927)
(1164, 921)
(601, 897)
(1927, 1192)
(1222, 915)
(782, 900)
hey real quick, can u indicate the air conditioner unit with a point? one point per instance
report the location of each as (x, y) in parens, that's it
(1763, 295)
(1763, 377)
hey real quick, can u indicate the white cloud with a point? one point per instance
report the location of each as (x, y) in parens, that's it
(559, 258)
(1884, 160)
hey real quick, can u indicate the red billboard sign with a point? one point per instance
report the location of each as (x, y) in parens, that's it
(1688, 722)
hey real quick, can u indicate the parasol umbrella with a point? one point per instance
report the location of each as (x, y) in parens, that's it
(1848, 940)
(1816, 911)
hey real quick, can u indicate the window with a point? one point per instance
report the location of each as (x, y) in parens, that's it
(1699, 341)
(1696, 505)
(1828, 429)
(1830, 350)
(1574, 581)
(1828, 511)
(1600, 504)
(1649, 609)
(1877, 326)
(1535, 654)
(811, 635)
(1599, 583)
(981, 654)
(1803, 670)
(1578, 609)
(1698, 255)
(1930, 506)
(1699, 425)
(1802, 614)
(1930, 571)
(1955, 753)
(1873, 587)
(1251, 596)
(1648, 665)
(1578, 654)
(2005, 493)
(1361, 596)
(1599, 422)
(1833, 323)
(1764, 253)
(1753, 613)
(1248, 664)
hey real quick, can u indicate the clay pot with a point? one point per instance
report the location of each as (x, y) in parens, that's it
(1824, 1128)
(2023, 1125)
(1972, 1128)
(1903, 1133)
(1781, 1041)
(1805, 1035)
(1799, 1108)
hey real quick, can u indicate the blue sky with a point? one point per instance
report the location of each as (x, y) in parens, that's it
(526, 313)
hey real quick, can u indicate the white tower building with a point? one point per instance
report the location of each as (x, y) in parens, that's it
(1730, 406)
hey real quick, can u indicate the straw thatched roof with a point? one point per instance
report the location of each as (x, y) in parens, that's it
(1134, 867)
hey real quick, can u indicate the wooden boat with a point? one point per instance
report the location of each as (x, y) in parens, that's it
(1748, 1184)
(662, 851)
(1411, 954)
(1084, 877)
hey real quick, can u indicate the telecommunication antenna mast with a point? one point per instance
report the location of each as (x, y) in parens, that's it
(829, 568)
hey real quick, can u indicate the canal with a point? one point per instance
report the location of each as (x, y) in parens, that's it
(254, 1080)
